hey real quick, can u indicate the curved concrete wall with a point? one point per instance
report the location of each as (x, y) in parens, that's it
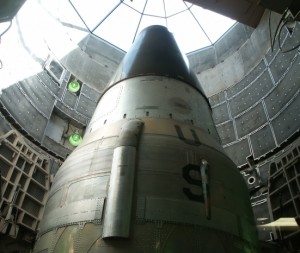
(253, 92)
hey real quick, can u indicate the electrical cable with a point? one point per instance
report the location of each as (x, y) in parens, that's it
(0, 185)
(1, 63)
(277, 28)
(10, 24)
(270, 31)
(280, 30)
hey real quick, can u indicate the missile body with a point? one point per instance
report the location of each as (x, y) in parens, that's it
(150, 175)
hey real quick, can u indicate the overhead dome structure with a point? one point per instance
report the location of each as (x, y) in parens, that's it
(120, 21)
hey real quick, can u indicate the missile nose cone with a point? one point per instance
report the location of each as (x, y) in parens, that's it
(155, 52)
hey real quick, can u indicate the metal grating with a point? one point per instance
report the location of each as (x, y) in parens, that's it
(284, 188)
(24, 182)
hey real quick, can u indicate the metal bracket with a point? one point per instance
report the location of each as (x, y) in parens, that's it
(204, 177)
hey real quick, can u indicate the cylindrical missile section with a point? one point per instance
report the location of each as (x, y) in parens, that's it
(150, 175)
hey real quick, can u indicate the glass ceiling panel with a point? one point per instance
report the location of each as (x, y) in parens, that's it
(119, 29)
(155, 8)
(93, 11)
(136, 4)
(119, 21)
(213, 23)
(189, 37)
(173, 7)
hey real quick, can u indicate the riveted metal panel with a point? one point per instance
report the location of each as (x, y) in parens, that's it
(262, 141)
(287, 122)
(140, 208)
(70, 99)
(220, 113)
(90, 93)
(88, 210)
(281, 63)
(251, 94)
(238, 151)
(284, 91)
(80, 118)
(187, 212)
(50, 84)
(87, 164)
(247, 81)
(162, 98)
(38, 95)
(217, 99)
(250, 120)
(23, 112)
(55, 147)
(86, 106)
(226, 132)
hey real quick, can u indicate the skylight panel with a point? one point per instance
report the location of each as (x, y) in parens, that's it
(138, 5)
(155, 8)
(189, 36)
(120, 27)
(213, 23)
(93, 11)
(120, 21)
(173, 7)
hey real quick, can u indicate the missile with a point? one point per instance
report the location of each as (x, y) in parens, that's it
(150, 175)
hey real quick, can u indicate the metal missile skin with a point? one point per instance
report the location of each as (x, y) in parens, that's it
(150, 175)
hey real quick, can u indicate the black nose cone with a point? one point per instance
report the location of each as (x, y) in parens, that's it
(155, 52)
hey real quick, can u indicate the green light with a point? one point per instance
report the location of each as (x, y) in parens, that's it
(75, 139)
(74, 86)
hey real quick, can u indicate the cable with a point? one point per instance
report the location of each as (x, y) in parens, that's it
(279, 41)
(276, 31)
(1, 63)
(270, 31)
(10, 23)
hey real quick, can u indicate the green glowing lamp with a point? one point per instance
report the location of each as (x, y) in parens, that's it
(74, 86)
(75, 139)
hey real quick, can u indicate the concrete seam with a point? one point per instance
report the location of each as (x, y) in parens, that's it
(250, 145)
(269, 121)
